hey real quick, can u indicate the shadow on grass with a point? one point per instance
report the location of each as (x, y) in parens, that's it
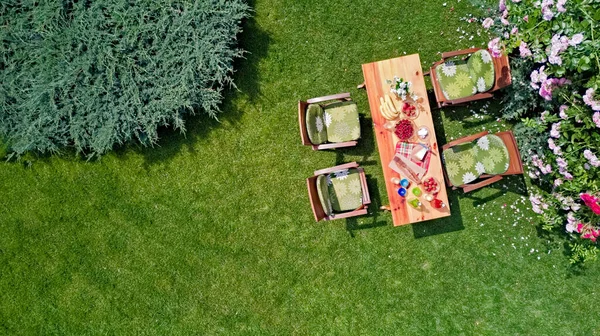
(516, 184)
(352, 224)
(446, 224)
(441, 225)
(365, 147)
(255, 42)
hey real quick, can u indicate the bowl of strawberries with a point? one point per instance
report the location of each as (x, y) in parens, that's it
(431, 185)
(405, 129)
(410, 109)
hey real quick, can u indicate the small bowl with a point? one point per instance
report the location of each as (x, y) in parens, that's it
(434, 191)
(421, 129)
(414, 130)
(413, 114)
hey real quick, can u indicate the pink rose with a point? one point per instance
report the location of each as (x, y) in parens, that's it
(494, 47)
(524, 50)
(487, 23)
(596, 119)
(563, 113)
(576, 39)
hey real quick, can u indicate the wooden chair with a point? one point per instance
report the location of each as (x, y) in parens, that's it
(302, 106)
(515, 164)
(315, 202)
(501, 72)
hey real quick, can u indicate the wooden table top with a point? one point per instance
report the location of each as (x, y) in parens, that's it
(377, 75)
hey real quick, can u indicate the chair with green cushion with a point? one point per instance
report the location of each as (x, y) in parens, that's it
(329, 122)
(483, 156)
(338, 192)
(457, 81)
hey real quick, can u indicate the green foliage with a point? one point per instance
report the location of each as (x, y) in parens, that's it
(94, 74)
(529, 139)
(556, 72)
(519, 98)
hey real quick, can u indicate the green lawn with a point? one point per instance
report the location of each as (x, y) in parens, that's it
(212, 233)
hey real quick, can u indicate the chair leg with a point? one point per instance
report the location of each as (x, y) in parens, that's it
(363, 85)
(426, 73)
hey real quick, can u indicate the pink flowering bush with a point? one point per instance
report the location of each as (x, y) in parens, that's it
(555, 97)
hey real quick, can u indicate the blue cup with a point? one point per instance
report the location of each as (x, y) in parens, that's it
(404, 183)
(402, 192)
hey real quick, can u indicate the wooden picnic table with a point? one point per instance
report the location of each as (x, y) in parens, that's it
(377, 80)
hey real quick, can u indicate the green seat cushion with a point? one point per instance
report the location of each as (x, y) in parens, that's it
(466, 162)
(323, 191)
(481, 68)
(345, 191)
(315, 124)
(491, 155)
(455, 79)
(460, 164)
(341, 121)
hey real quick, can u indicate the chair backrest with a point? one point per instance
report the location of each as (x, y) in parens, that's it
(315, 202)
(516, 165)
(302, 105)
(502, 72)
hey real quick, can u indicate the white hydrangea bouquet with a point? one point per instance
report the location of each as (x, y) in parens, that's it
(402, 89)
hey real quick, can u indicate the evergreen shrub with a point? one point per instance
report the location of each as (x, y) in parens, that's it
(93, 74)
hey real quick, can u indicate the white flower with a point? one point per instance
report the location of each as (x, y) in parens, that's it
(341, 174)
(449, 69)
(481, 84)
(474, 90)
(319, 124)
(328, 179)
(570, 227)
(468, 177)
(480, 168)
(483, 143)
(486, 57)
(327, 119)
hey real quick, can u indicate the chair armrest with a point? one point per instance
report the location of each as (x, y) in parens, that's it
(484, 95)
(459, 52)
(465, 139)
(439, 97)
(364, 186)
(335, 145)
(471, 187)
(349, 214)
(331, 97)
(336, 168)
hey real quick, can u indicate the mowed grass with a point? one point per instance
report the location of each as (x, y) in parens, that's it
(211, 233)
